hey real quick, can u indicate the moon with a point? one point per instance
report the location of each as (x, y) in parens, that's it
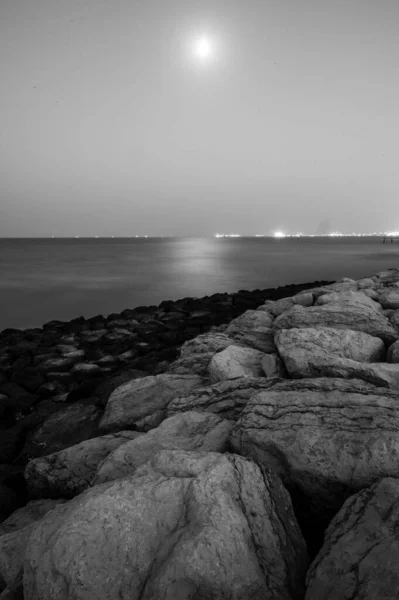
(203, 49)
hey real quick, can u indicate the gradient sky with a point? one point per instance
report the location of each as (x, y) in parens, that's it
(109, 126)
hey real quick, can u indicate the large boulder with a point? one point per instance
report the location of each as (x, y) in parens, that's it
(348, 299)
(359, 318)
(187, 525)
(226, 398)
(69, 472)
(66, 427)
(236, 361)
(393, 353)
(324, 444)
(390, 299)
(28, 514)
(299, 347)
(185, 431)
(141, 403)
(360, 554)
(254, 329)
(380, 374)
(196, 354)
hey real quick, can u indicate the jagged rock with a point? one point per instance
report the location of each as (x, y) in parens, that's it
(28, 514)
(325, 445)
(253, 329)
(272, 366)
(226, 398)
(205, 525)
(13, 545)
(196, 354)
(393, 353)
(348, 299)
(299, 348)
(390, 299)
(358, 318)
(366, 283)
(66, 427)
(236, 361)
(380, 374)
(277, 307)
(141, 398)
(185, 431)
(69, 472)
(360, 553)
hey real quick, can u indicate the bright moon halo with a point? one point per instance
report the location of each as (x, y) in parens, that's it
(203, 49)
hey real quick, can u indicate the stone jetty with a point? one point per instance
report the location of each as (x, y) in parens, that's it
(240, 446)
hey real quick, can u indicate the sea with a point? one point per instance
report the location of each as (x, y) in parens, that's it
(60, 278)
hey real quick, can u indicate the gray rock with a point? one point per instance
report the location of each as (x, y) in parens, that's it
(380, 374)
(348, 299)
(303, 298)
(236, 361)
(184, 431)
(360, 554)
(299, 348)
(205, 525)
(253, 329)
(84, 371)
(325, 445)
(196, 354)
(28, 514)
(366, 283)
(141, 398)
(277, 307)
(357, 318)
(272, 366)
(226, 398)
(72, 470)
(393, 353)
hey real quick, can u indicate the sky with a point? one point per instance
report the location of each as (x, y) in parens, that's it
(110, 125)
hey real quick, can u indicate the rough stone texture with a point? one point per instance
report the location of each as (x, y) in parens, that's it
(28, 514)
(393, 353)
(390, 299)
(67, 427)
(360, 555)
(226, 398)
(272, 366)
(196, 354)
(394, 319)
(136, 400)
(277, 307)
(205, 526)
(366, 283)
(325, 445)
(69, 472)
(303, 298)
(234, 362)
(380, 374)
(12, 548)
(348, 299)
(359, 318)
(299, 348)
(185, 431)
(253, 329)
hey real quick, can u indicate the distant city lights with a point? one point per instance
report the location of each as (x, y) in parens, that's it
(281, 235)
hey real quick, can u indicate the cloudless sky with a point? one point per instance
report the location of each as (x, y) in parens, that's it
(110, 126)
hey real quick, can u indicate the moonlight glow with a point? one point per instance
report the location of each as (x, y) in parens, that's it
(203, 49)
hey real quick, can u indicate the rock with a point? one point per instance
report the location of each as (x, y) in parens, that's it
(70, 471)
(105, 389)
(393, 353)
(303, 298)
(299, 348)
(227, 398)
(83, 371)
(134, 401)
(196, 354)
(32, 512)
(205, 525)
(184, 431)
(380, 374)
(236, 361)
(324, 444)
(390, 299)
(57, 364)
(360, 553)
(272, 366)
(253, 329)
(394, 320)
(358, 318)
(366, 283)
(67, 427)
(348, 299)
(277, 307)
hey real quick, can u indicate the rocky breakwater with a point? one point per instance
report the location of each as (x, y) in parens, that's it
(262, 462)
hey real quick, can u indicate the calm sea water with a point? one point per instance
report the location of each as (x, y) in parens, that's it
(45, 279)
